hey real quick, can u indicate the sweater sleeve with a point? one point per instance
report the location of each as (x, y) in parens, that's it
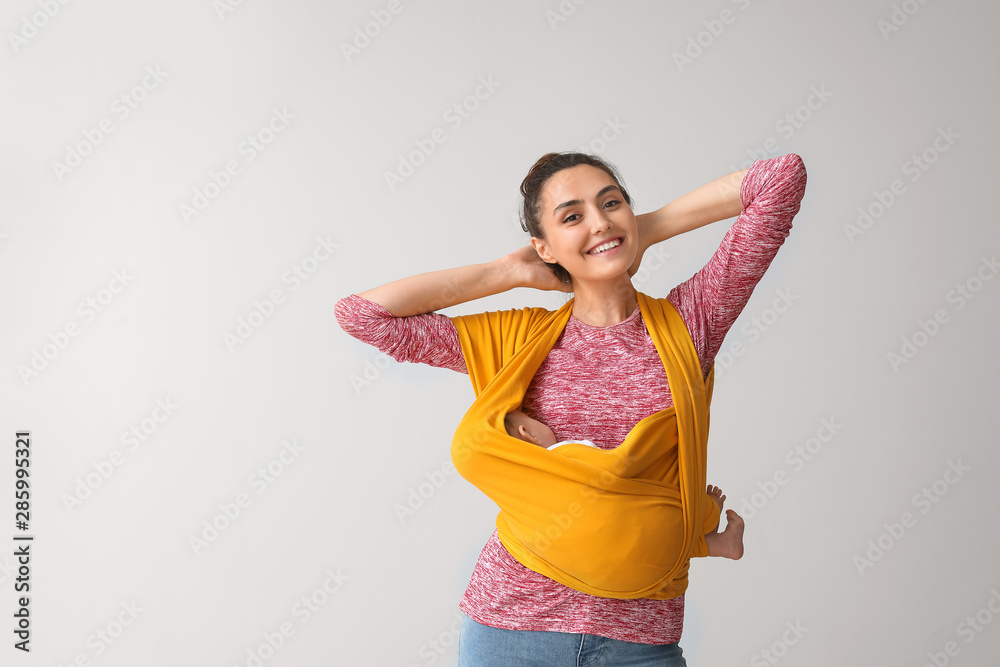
(712, 299)
(425, 339)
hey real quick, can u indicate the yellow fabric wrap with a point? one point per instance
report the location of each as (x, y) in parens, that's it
(619, 523)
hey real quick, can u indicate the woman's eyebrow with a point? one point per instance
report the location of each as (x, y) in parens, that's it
(574, 202)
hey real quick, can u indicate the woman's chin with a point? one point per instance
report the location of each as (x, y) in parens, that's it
(603, 277)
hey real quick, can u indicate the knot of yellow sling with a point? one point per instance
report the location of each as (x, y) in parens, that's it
(619, 523)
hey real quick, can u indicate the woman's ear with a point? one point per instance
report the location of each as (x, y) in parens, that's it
(543, 250)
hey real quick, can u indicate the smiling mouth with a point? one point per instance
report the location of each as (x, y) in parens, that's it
(604, 247)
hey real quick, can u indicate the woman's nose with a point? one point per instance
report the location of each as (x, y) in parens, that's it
(601, 222)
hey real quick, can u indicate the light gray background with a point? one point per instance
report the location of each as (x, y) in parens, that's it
(373, 434)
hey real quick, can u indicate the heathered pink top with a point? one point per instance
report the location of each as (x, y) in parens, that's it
(597, 383)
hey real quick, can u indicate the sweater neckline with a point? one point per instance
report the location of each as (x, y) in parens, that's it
(631, 319)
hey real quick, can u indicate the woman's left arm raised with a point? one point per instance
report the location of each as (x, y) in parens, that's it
(711, 300)
(714, 201)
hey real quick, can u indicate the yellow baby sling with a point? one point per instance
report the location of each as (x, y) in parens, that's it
(620, 523)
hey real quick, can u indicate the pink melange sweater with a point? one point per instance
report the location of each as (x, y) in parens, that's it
(597, 383)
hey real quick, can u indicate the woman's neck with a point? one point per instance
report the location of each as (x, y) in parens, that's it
(604, 304)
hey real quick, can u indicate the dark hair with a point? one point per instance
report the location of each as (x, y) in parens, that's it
(531, 190)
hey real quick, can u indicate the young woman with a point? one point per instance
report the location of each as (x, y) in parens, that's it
(602, 376)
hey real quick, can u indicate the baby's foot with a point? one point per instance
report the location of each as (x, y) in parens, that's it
(731, 539)
(716, 494)
(728, 543)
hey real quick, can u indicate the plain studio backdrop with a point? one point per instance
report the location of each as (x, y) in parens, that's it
(219, 475)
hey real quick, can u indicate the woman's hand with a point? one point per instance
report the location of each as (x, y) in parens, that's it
(527, 269)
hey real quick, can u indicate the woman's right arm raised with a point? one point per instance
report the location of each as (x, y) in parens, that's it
(428, 292)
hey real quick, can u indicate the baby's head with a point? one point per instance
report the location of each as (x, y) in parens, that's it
(523, 427)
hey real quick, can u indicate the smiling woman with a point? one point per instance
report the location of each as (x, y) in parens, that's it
(589, 235)
(598, 375)
(567, 168)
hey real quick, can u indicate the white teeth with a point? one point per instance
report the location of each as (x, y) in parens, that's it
(605, 246)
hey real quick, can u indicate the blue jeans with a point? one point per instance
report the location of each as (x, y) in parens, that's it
(484, 646)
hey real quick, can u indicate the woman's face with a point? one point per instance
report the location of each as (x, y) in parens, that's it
(589, 228)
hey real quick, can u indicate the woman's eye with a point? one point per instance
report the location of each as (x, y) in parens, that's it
(571, 218)
(613, 202)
